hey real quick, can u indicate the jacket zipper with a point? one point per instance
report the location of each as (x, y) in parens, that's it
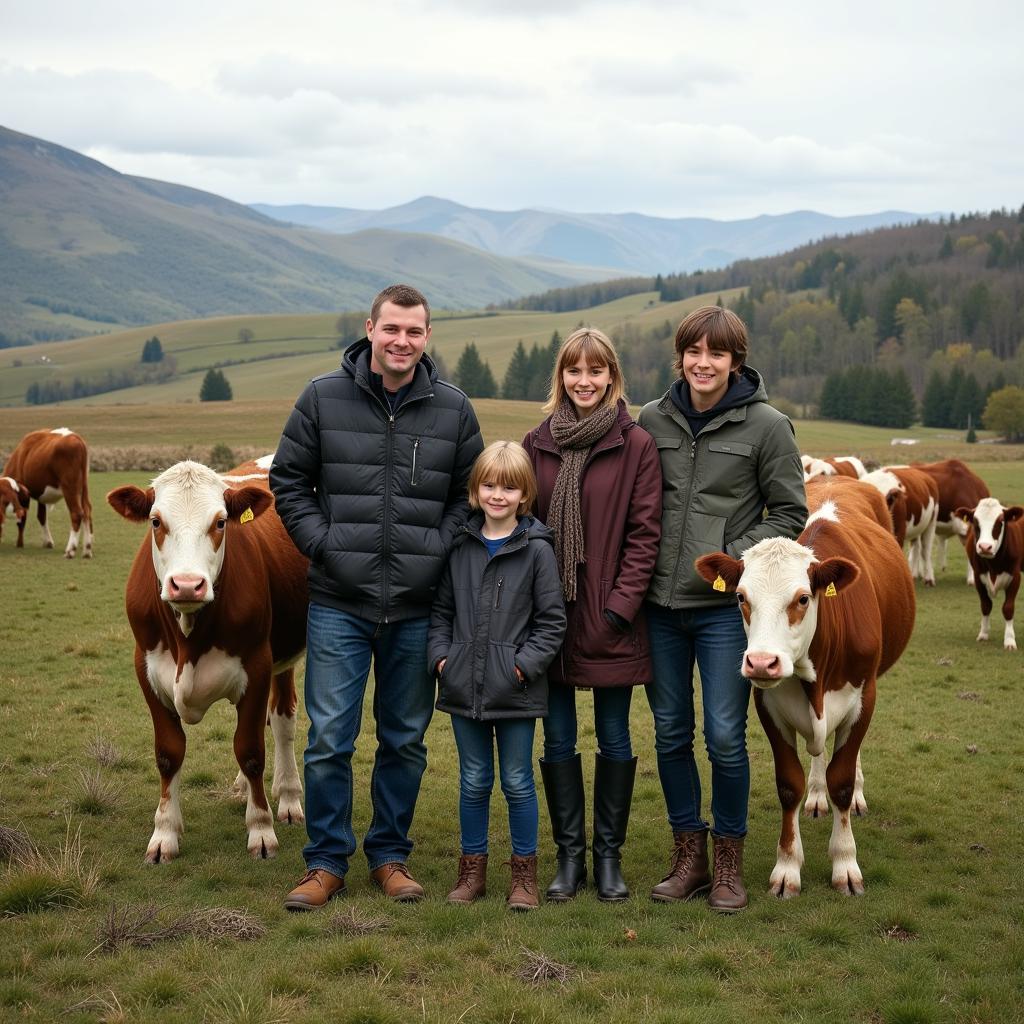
(497, 591)
(686, 512)
(415, 450)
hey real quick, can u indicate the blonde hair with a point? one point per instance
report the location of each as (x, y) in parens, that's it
(505, 463)
(596, 348)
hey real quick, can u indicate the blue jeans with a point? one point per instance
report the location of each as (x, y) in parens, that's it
(714, 638)
(611, 723)
(339, 647)
(475, 741)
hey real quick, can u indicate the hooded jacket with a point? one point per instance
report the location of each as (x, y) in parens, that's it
(738, 481)
(493, 614)
(373, 497)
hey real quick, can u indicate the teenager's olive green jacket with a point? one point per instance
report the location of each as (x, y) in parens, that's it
(738, 482)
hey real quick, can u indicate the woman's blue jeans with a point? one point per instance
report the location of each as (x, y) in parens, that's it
(475, 741)
(713, 638)
(611, 723)
(338, 653)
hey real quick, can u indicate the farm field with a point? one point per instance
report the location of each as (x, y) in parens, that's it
(937, 938)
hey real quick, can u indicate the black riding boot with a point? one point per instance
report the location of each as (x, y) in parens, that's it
(613, 794)
(563, 788)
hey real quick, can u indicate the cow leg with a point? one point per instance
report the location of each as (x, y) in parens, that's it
(841, 776)
(1009, 637)
(816, 804)
(986, 606)
(86, 526)
(789, 780)
(927, 541)
(250, 753)
(21, 530)
(287, 786)
(914, 557)
(41, 516)
(71, 499)
(859, 805)
(169, 745)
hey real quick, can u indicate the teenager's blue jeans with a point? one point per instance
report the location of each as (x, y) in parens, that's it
(611, 723)
(714, 638)
(339, 648)
(475, 741)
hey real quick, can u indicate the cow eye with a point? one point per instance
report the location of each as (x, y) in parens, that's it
(804, 600)
(740, 598)
(156, 522)
(221, 523)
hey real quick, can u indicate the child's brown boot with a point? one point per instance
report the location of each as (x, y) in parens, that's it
(472, 883)
(523, 893)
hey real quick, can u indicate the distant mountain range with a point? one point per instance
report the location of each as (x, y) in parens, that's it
(84, 248)
(628, 242)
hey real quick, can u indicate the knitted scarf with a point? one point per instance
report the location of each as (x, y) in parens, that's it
(574, 437)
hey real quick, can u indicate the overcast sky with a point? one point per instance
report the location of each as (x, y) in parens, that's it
(675, 108)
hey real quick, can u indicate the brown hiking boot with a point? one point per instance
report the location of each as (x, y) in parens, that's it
(689, 875)
(727, 892)
(523, 893)
(396, 883)
(314, 890)
(472, 883)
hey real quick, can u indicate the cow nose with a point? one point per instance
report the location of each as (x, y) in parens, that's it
(762, 666)
(187, 588)
(984, 549)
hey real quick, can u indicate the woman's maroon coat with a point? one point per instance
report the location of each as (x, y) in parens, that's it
(620, 503)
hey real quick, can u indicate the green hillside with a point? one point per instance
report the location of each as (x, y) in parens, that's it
(85, 249)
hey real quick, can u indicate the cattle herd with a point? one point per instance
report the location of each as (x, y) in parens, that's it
(216, 600)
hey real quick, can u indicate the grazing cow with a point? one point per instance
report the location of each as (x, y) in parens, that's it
(825, 616)
(843, 465)
(54, 464)
(13, 502)
(913, 499)
(217, 602)
(995, 546)
(959, 487)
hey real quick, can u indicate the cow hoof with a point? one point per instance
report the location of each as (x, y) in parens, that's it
(291, 813)
(48, 545)
(849, 884)
(161, 853)
(262, 846)
(1009, 647)
(859, 806)
(816, 806)
(87, 554)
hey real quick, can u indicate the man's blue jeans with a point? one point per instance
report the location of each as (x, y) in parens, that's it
(339, 647)
(475, 741)
(714, 638)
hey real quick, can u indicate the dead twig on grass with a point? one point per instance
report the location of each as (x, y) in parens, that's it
(140, 927)
(536, 968)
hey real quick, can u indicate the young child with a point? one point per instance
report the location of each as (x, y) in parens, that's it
(496, 625)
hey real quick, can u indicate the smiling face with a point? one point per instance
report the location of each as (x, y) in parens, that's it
(708, 372)
(586, 383)
(500, 504)
(397, 341)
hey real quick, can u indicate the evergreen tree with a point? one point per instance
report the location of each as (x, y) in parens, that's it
(440, 365)
(473, 375)
(901, 409)
(215, 387)
(517, 376)
(947, 247)
(967, 404)
(152, 351)
(935, 403)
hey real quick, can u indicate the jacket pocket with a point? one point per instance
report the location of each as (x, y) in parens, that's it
(454, 684)
(502, 689)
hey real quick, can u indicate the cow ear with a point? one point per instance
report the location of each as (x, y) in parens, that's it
(1012, 513)
(719, 566)
(837, 572)
(239, 500)
(891, 496)
(965, 514)
(132, 502)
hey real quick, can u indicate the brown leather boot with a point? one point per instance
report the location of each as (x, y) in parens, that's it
(523, 893)
(727, 892)
(689, 875)
(314, 890)
(396, 883)
(472, 883)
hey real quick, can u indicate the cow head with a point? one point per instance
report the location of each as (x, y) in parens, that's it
(816, 467)
(988, 519)
(188, 507)
(14, 500)
(894, 491)
(777, 584)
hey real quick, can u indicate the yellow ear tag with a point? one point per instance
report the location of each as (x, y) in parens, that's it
(830, 590)
(719, 584)
(248, 517)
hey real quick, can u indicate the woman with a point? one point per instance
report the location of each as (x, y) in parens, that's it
(599, 490)
(732, 476)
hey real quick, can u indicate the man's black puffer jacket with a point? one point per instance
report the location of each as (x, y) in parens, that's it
(374, 499)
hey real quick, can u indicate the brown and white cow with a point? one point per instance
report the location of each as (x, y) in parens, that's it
(854, 494)
(825, 616)
(959, 487)
(842, 465)
(217, 602)
(13, 502)
(995, 546)
(913, 499)
(54, 464)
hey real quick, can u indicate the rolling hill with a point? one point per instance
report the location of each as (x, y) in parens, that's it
(629, 242)
(84, 248)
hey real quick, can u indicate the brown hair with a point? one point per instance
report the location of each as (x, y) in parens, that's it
(505, 463)
(403, 295)
(725, 332)
(596, 348)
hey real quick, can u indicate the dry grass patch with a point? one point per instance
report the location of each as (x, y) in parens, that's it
(537, 968)
(97, 794)
(140, 927)
(351, 922)
(41, 880)
(107, 754)
(14, 844)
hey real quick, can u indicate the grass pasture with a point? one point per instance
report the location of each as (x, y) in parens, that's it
(89, 933)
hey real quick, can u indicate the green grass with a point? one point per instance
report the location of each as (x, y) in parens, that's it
(937, 937)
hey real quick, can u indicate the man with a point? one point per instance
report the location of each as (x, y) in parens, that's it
(370, 480)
